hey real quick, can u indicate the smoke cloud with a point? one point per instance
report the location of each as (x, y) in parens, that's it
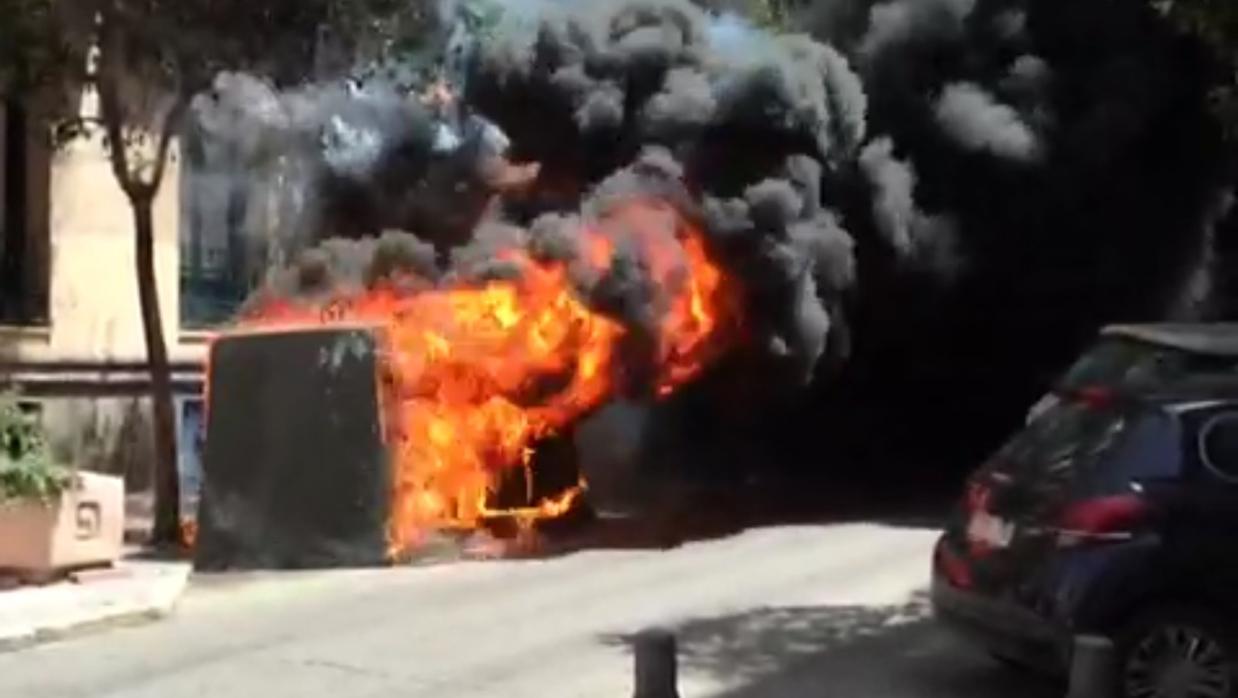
(899, 22)
(939, 179)
(977, 122)
(1068, 151)
(929, 240)
(612, 100)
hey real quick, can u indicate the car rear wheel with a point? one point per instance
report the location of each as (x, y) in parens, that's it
(1178, 653)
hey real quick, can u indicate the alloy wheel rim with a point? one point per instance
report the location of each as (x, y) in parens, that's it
(1178, 661)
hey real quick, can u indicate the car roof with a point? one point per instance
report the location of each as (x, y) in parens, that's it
(1188, 390)
(1218, 339)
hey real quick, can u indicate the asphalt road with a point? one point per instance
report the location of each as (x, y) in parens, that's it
(811, 610)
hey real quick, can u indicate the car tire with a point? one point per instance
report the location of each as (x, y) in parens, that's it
(1178, 646)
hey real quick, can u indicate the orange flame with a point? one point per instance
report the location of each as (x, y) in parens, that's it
(474, 375)
(189, 533)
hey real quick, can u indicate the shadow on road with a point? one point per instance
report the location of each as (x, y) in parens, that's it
(824, 651)
(676, 515)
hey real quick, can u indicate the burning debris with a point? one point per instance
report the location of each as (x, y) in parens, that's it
(591, 202)
(548, 308)
(751, 119)
(527, 332)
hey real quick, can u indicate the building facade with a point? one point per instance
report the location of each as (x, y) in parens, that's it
(71, 339)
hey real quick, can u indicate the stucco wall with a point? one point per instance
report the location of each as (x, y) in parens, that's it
(86, 366)
(94, 313)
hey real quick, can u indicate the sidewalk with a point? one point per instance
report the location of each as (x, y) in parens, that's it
(134, 590)
(138, 588)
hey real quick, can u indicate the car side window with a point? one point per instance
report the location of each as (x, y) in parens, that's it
(1218, 446)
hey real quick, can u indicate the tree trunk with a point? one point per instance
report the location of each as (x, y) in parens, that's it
(167, 482)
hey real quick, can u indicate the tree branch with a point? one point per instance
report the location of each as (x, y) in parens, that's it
(109, 104)
(171, 123)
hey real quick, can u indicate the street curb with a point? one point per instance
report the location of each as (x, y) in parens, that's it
(51, 614)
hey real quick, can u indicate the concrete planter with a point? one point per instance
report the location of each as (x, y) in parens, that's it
(83, 528)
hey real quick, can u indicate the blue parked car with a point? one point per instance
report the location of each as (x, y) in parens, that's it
(1114, 512)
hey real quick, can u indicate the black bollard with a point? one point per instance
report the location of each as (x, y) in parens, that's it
(1093, 668)
(656, 671)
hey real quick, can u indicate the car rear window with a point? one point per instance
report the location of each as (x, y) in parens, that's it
(1040, 465)
(1055, 443)
(1073, 442)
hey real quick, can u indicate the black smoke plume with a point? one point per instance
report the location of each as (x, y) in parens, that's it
(945, 197)
(656, 97)
(1069, 151)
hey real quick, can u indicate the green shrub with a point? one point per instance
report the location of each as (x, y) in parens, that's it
(26, 467)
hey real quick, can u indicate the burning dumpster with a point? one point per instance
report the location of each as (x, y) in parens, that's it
(343, 427)
(300, 453)
(297, 470)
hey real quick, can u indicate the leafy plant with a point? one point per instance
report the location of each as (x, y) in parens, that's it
(26, 467)
(772, 15)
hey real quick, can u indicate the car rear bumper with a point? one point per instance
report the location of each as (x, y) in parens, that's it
(1001, 628)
